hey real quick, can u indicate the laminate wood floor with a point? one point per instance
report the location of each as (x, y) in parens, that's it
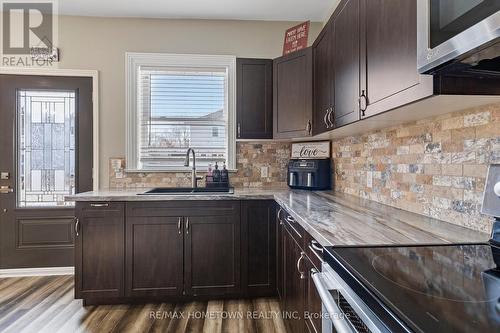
(46, 304)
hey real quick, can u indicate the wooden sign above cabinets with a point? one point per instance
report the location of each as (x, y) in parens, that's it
(296, 38)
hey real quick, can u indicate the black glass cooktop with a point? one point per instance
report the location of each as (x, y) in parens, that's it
(453, 288)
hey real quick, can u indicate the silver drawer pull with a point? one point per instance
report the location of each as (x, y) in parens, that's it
(334, 313)
(315, 253)
(302, 274)
(315, 245)
(290, 219)
(294, 230)
(99, 205)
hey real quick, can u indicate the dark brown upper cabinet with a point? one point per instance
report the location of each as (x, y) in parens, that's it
(292, 95)
(323, 81)
(389, 56)
(254, 111)
(346, 53)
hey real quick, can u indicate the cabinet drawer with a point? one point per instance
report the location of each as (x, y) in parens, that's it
(100, 208)
(292, 227)
(183, 208)
(314, 251)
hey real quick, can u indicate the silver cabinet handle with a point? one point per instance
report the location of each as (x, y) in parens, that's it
(239, 130)
(363, 102)
(302, 274)
(316, 254)
(77, 227)
(278, 216)
(331, 117)
(308, 127)
(179, 225)
(291, 220)
(325, 119)
(315, 245)
(99, 205)
(335, 314)
(187, 225)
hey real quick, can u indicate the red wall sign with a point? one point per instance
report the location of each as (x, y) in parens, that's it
(296, 38)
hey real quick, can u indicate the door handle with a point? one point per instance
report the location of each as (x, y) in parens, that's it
(302, 274)
(308, 127)
(331, 117)
(6, 189)
(325, 119)
(187, 225)
(363, 102)
(77, 227)
(179, 225)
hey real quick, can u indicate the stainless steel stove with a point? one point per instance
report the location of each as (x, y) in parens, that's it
(446, 288)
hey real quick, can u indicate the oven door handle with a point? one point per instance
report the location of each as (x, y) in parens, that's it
(336, 315)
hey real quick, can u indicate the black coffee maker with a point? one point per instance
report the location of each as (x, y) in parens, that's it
(310, 174)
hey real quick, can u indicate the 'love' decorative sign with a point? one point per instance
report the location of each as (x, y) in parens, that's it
(311, 150)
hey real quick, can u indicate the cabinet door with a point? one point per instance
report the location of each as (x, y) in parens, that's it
(323, 81)
(259, 247)
(212, 254)
(99, 250)
(392, 78)
(312, 299)
(280, 256)
(292, 95)
(154, 256)
(254, 98)
(346, 59)
(294, 285)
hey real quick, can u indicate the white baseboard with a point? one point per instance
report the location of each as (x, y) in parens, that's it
(43, 271)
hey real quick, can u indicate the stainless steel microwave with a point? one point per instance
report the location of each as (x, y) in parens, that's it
(451, 30)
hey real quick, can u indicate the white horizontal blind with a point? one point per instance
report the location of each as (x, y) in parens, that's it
(181, 108)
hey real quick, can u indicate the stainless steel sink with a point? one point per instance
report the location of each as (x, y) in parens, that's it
(188, 190)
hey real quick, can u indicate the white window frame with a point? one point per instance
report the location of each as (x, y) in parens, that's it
(134, 60)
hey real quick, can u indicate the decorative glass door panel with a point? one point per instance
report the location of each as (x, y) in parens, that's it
(45, 147)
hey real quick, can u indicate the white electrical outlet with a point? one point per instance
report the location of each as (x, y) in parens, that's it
(264, 171)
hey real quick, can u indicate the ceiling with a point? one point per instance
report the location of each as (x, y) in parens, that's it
(268, 10)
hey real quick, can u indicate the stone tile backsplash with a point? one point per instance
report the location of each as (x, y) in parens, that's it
(250, 158)
(435, 167)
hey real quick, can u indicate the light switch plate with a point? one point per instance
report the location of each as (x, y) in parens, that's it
(264, 171)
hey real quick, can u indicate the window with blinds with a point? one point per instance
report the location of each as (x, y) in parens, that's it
(178, 108)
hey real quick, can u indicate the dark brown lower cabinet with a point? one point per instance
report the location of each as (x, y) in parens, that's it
(312, 300)
(154, 256)
(99, 250)
(258, 221)
(280, 256)
(295, 260)
(294, 304)
(212, 255)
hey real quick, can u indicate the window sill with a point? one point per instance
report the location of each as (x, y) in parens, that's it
(186, 170)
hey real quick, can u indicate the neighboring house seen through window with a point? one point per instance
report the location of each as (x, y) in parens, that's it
(180, 106)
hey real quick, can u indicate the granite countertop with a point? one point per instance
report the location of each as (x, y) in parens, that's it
(332, 218)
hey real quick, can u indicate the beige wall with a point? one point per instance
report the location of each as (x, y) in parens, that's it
(100, 44)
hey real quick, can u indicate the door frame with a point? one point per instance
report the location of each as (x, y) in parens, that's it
(94, 74)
